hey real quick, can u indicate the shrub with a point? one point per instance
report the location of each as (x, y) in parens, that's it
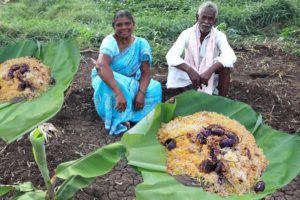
(252, 18)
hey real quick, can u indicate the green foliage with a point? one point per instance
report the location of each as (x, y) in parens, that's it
(256, 17)
(142, 138)
(290, 32)
(158, 184)
(76, 174)
(27, 114)
(39, 153)
(290, 35)
(279, 11)
(159, 21)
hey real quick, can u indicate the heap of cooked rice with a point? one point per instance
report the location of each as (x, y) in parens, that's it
(214, 152)
(23, 78)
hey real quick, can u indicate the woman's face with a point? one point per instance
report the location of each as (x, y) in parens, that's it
(206, 20)
(123, 27)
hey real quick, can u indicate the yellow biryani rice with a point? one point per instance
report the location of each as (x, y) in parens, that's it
(213, 151)
(23, 77)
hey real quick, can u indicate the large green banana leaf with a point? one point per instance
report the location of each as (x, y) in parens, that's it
(63, 58)
(94, 164)
(71, 185)
(149, 157)
(24, 191)
(81, 172)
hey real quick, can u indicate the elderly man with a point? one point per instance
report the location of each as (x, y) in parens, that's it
(208, 56)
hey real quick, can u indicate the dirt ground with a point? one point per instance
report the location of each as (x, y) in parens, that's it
(263, 77)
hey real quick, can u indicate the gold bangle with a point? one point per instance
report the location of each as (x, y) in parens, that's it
(142, 91)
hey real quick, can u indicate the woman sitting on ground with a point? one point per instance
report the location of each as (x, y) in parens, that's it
(123, 89)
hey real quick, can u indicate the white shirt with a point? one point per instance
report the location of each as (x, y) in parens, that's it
(178, 78)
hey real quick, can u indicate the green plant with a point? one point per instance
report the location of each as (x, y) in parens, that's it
(279, 148)
(279, 11)
(157, 183)
(159, 21)
(39, 153)
(63, 59)
(86, 169)
(290, 32)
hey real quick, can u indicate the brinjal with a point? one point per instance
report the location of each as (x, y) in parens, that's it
(233, 136)
(201, 138)
(24, 68)
(226, 143)
(206, 166)
(259, 186)
(170, 144)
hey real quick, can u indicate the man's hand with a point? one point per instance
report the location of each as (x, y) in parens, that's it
(139, 101)
(120, 102)
(204, 77)
(195, 78)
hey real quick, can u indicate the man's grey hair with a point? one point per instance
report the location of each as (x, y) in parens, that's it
(210, 5)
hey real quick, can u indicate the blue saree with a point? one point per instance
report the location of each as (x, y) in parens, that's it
(126, 70)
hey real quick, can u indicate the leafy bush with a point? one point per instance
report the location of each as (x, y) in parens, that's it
(159, 21)
(279, 11)
(255, 17)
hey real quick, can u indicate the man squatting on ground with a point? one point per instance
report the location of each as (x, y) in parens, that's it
(208, 56)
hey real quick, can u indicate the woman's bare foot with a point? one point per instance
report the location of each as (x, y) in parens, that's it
(127, 124)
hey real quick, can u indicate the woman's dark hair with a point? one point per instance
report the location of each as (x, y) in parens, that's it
(122, 13)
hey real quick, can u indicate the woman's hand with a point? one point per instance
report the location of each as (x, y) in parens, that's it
(139, 101)
(120, 102)
(106, 74)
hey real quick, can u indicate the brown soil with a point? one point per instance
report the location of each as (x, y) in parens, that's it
(263, 77)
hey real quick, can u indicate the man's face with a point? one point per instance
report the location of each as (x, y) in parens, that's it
(206, 20)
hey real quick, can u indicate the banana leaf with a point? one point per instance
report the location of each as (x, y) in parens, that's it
(39, 152)
(21, 187)
(71, 185)
(36, 195)
(94, 164)
(25, 191)
(146, 154)
(81, 172)
(63, 58)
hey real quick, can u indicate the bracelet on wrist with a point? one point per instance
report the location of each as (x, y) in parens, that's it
(142, 92)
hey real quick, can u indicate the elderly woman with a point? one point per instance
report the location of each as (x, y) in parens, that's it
(123, 90)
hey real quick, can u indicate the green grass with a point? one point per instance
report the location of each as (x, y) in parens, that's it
(159, 21)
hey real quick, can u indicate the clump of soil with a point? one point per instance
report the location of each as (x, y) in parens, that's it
(265, 78)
